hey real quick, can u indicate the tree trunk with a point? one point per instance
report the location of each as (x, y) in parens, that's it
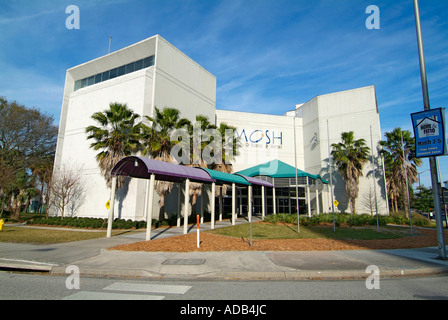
(193, 204)
(15, 209)
(396, 204)
(353, 205)
(16, 213)
(162, 208)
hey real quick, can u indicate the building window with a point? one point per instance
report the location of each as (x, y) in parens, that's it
(113, 73)
(116, 72)
(138, 65)
(120, 71)
(105, 76)
(130, 67)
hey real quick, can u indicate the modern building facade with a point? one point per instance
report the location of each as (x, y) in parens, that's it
(153, 73)
(314, 126)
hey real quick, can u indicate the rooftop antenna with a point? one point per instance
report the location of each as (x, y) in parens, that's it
(110, 40)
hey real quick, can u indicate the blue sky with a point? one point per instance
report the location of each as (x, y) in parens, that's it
(267, 55)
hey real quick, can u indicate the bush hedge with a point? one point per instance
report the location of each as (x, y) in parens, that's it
(100, 223)
(349, 219)
(323, 218)
(89, 223)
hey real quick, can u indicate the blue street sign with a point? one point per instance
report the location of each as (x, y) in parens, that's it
(429, 132)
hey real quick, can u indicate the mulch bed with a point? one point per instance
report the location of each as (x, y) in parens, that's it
(211, 242)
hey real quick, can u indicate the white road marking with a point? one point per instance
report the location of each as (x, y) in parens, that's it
(90, 295)
(144, 287)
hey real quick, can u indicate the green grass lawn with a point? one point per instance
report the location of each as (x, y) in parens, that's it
(282, 231)
(46, 236)
(259, 231)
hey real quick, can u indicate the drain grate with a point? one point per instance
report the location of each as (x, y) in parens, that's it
(184, 262)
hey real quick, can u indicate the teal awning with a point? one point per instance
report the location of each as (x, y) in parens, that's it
(277, 169)
(226, 177)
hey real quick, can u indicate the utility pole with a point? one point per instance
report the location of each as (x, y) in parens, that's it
(432, 160)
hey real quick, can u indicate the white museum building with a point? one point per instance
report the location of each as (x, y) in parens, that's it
(153, 73)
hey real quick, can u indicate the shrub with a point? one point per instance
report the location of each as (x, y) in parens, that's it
(420, 220)
(339, 218)
(358, 220)
(90, 223)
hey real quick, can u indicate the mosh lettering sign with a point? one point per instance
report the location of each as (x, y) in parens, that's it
(429, 133)
(257, 136)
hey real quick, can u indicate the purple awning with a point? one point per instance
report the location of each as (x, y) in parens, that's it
(256, 181)
(140, 167)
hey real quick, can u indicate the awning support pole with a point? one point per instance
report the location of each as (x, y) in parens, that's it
(110, 218)
(186, 204)
(149, 205)
(233, 204)
(213, 206)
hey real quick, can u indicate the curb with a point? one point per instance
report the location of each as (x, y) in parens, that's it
(26, 266)
(384, 273)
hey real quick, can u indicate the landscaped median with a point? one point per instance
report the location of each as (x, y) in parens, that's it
(277, 233)
(285, 237)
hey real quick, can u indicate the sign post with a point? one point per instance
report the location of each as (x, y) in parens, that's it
(432, 158)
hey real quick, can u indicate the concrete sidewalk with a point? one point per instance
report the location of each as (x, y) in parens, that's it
(93, 259)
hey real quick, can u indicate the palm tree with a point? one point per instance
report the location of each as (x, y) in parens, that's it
(43, 172)
(157, 137)
(350, 155)
(398, 151)
(158, 144)
(227, 156)
(117, 136)
(19, 191)
(200, 140)
(391, 188)
(198, 134)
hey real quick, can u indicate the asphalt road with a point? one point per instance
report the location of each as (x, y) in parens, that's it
(21, 286)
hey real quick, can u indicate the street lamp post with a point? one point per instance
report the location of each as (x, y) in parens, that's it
(432, 160)
(418, 173)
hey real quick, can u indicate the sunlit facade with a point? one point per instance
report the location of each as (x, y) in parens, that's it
(155, 73)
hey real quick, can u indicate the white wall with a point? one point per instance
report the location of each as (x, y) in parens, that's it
(174, 81)
(76, 152)
(352, 110)
(183, 84)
